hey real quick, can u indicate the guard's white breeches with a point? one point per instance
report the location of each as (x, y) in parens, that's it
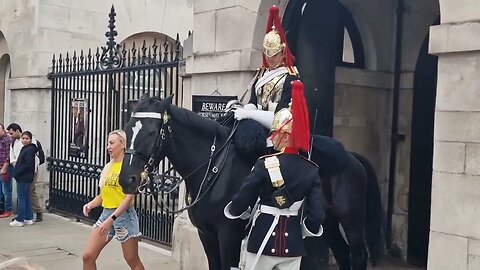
(273, 263)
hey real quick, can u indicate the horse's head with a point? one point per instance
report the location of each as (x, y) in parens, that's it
(146, 132)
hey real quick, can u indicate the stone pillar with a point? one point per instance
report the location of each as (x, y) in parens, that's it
(31, 108)
(454, 230)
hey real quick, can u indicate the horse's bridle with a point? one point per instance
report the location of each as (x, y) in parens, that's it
(161, 137)
(149, 168)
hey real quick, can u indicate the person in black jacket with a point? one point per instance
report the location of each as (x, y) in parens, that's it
(284, 182)
(23, 174)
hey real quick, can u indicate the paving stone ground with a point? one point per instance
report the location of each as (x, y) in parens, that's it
(57, 244)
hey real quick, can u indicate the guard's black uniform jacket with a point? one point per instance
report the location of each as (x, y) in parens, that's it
(302, 182)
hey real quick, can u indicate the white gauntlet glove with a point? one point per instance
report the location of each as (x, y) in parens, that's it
(265, 118)
(245, 215)
(233, 105)
(250, 106)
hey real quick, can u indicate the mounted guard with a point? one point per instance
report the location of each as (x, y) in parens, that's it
(280, 223)
(270, 89)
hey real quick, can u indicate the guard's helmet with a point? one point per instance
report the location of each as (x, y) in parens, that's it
(272, 43)
(282, 121)
(291, 127)
(275, 41)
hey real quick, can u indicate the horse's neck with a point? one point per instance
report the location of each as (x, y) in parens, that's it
(188, 150)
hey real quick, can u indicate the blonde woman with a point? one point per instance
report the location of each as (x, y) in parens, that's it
(118, 218)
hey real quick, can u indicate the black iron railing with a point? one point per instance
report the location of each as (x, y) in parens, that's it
(93, 93)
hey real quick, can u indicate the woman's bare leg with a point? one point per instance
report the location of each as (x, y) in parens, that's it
(93, 248)
(130, 253)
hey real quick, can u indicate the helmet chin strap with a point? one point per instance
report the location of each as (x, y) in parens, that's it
(280, 140)
(280, 64)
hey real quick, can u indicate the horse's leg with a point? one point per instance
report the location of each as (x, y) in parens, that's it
(317, 254)
(336, 242)
(230, 240)
(210, 245)
(349, 207)
(355, 233)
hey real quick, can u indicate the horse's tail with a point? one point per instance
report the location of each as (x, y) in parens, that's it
(373, 212)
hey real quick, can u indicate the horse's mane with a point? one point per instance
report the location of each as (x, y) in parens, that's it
(186, 117)
(197, 122)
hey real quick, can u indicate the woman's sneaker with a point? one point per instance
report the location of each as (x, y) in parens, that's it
(16, 224)
(28, 222)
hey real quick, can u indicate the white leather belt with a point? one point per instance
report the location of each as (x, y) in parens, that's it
(291, 211)
(277, 213)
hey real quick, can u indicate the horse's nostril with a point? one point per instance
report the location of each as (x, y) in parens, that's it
(133, 179)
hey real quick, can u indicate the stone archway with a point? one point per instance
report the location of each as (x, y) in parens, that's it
(150, 47)
(4, 76)
(421, 155)
(149, 38)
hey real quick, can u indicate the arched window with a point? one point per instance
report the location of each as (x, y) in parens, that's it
(154, 81)
(350, 51)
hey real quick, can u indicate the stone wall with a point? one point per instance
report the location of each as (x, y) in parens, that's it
(363, 115)
(454, 231)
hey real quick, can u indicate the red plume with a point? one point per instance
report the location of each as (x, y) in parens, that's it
(274, 20)
(301, 123)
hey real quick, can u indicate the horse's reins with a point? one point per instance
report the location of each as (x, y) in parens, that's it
(208, 173)
(145, 175)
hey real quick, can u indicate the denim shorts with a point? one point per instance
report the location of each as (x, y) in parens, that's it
(124, 227)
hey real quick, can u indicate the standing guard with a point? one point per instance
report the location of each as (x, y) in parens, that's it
(283, 182)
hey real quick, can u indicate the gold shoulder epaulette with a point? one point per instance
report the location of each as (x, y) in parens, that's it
(315, 164)
(292, 71)
(270, 155)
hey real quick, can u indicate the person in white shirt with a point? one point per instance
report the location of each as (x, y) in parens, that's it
(15, 131)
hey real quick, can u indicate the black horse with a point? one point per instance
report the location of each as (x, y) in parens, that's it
(200, 150)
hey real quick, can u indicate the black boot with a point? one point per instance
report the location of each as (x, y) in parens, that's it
(39, 217)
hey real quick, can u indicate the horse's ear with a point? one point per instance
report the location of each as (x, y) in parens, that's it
(169, 99)
(144, 98)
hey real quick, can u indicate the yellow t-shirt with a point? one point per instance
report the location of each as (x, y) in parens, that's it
(111, 192)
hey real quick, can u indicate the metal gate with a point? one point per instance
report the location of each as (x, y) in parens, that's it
(93, 93)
